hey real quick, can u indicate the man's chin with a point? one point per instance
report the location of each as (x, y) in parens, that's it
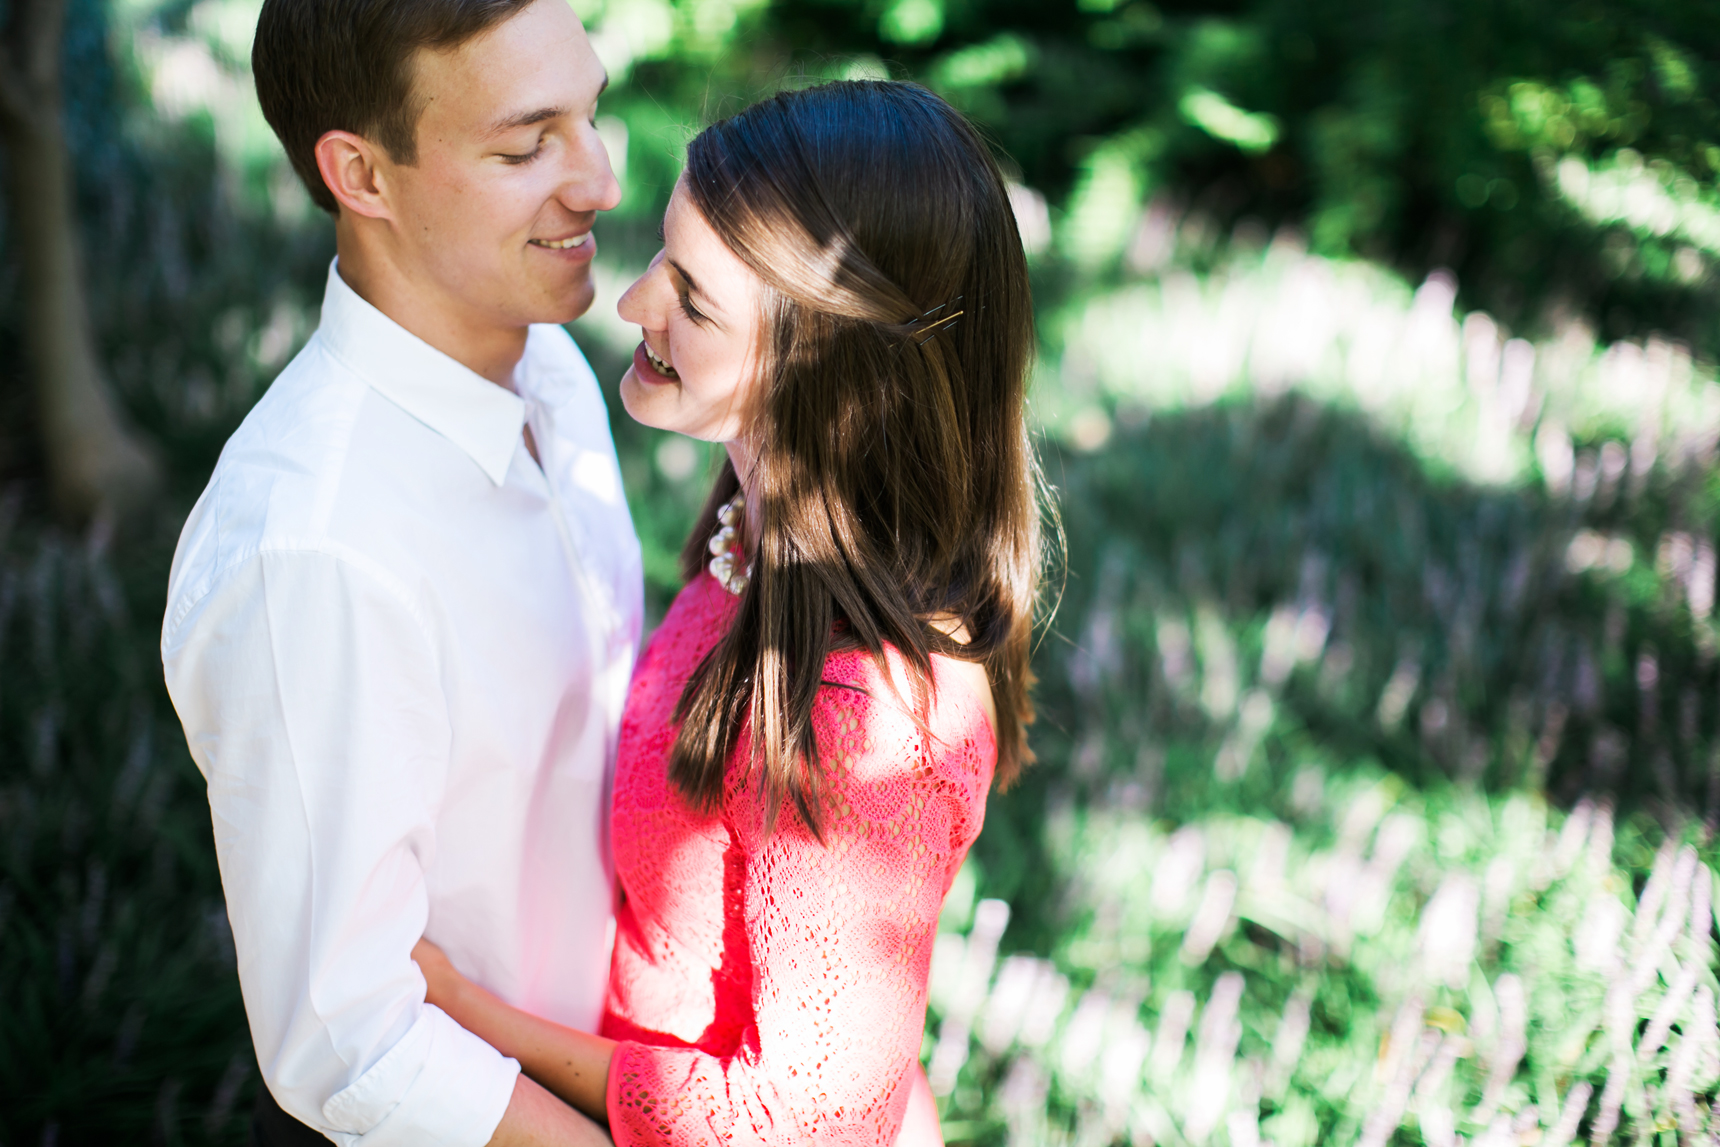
(569, 303)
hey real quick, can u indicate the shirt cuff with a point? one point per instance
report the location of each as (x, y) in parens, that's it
(440, 1085)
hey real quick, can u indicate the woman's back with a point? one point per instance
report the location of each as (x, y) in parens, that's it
(790, 973)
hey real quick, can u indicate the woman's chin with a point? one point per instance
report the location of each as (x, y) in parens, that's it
(636, 400)
(663, 406)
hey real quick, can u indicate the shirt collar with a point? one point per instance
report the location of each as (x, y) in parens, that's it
(481, 418)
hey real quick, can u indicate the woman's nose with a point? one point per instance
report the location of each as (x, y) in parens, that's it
(642, 303)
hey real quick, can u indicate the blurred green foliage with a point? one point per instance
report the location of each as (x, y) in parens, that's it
(1458, 134)
(1284, 592)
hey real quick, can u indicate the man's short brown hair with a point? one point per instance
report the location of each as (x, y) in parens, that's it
(347, 65)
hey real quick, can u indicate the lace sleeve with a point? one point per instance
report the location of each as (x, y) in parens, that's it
(840, 937)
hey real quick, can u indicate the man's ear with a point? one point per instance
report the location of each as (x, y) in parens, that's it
(351, 167)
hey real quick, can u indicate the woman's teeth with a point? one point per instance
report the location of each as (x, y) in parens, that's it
(561, 244)
(658, 364)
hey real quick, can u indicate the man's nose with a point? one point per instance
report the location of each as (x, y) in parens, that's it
(589, 183)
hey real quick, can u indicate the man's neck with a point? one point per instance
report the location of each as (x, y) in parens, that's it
(492, 352)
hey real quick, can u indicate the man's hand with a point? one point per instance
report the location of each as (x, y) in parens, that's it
(535, 1118)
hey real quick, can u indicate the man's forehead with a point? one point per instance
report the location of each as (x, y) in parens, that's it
(531, 67)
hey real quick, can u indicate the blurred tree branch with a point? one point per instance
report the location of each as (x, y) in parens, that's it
(97, 467)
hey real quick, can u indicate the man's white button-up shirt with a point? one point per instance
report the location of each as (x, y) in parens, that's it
(400, 647)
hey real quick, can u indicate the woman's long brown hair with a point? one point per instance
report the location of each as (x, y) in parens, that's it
(895, 483)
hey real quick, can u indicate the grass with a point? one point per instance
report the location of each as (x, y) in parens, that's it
(1379, 958)
(121, 1013)
(1243, 779)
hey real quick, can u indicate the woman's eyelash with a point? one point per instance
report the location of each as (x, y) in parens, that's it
(688, 309)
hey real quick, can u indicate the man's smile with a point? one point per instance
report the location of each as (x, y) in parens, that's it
(565, 244)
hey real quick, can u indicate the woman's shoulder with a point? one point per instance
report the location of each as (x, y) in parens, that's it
(697, 618)
(865, 714)
(702, 600)
(890, 777)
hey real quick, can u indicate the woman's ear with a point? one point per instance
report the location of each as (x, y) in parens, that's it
(351, 167)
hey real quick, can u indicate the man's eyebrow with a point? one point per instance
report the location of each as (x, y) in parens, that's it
(524, 119)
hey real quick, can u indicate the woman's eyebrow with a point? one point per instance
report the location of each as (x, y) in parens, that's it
(692, 286)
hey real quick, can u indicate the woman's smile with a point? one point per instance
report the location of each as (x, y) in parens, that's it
(646, 361)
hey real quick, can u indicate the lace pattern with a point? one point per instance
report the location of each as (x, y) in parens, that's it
(768, 988)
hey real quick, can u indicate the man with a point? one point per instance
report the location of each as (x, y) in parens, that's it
(402, 617)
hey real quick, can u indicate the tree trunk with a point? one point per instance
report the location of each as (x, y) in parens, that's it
(96, 467)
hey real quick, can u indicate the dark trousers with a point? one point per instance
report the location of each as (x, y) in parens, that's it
(272, 1127)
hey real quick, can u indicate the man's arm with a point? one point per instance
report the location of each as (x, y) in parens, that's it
(312, 700)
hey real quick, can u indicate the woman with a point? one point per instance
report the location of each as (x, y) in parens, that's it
(842, 301)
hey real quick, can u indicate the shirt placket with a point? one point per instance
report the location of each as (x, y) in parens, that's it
(603, 614)
(603, 621)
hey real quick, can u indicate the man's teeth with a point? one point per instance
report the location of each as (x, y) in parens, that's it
(658, 364)
(561, 244)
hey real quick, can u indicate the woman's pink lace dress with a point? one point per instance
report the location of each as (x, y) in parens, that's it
(769, 988)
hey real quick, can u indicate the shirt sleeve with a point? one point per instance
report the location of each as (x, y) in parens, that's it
(312, 703)
(840, 937)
